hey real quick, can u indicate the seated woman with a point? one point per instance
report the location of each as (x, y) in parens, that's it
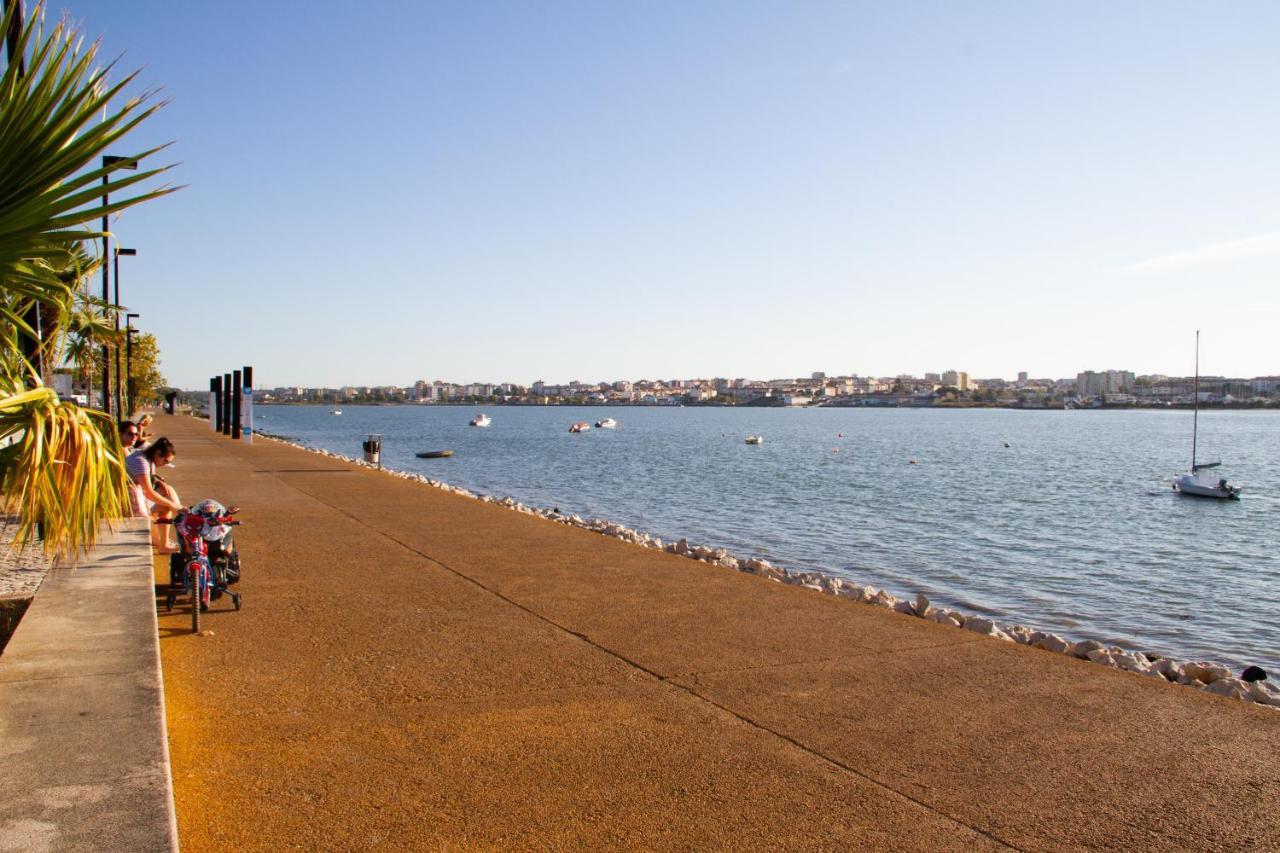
(144, 430)
(149, 495)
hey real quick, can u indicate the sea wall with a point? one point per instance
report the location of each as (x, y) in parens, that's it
(1249, 685)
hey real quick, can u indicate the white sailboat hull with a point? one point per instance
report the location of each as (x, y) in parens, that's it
(1202, 486)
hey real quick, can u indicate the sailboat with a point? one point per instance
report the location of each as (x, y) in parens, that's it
(1193, 482)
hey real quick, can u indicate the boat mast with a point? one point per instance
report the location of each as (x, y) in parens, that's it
(1195, 417)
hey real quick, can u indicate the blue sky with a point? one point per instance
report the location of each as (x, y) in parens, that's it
(514, 191)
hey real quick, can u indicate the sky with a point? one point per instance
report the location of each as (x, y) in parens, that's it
(478, 191)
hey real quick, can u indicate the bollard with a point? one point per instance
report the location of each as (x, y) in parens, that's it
(373, 449)
(215, 403)
(226, 404)
(246, 418)
(236, 389)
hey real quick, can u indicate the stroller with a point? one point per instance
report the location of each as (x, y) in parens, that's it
(224, 559)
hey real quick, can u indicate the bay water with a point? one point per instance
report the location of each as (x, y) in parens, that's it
(1063, 521)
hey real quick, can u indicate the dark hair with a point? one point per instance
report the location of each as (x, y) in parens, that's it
(121, 426)
(159, 447)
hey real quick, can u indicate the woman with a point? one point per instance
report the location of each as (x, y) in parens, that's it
(144, 434)
(150, 496)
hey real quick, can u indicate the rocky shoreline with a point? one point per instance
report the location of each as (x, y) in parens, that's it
(1249, 686)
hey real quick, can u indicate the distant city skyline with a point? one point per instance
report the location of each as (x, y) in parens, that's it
(567, 189)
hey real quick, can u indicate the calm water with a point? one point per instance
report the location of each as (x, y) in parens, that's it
(1073, 528)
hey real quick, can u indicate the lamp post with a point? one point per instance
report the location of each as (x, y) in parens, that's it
(112, 163)
(129, 332)
(116, 322)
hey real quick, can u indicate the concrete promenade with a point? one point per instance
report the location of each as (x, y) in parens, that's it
(82, 731)
(417, 670)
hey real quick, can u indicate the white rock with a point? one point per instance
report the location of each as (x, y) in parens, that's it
(1233, 687)
(979, 625)
(1264, 695)
(1102, 656)
(1020, 634)
(728, 562)
(813, 586)
(1082, 648)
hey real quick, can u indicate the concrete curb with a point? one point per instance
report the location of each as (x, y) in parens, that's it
(82, 721)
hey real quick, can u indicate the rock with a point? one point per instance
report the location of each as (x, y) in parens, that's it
(922, 605)
(884, 599)
(1170, 669)
(1253, 673)
(813, 586)
(1102, 656)
(1020, 633)
(1206, 673)
(1264, 694)
(1233, 687)
(728, 562)
(1053, 643)
(905, 607)
(1132, 662)
(719, 554)
(681, 547)
(1082, 648)
(979, 625)
(942, 618)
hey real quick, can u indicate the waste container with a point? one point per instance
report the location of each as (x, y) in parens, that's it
(373, 449)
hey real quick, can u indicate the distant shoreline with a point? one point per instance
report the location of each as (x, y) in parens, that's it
(943, 406)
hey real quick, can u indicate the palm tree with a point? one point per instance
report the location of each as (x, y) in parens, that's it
(62, 468)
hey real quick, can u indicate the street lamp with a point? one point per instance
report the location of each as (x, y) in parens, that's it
(116, 323)
(128, 357)
(111, 163)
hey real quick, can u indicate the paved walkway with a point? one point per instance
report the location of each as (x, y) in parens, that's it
(82, 732)
(417, 670)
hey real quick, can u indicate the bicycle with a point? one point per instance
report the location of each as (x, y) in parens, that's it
(197, 575)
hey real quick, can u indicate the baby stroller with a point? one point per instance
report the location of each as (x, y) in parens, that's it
(224, 559)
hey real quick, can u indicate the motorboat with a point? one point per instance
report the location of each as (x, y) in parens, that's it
(1193, 482)
(335, 411)
(580, 426)
(607, 423)
(755, 439)
(434, 454)
(481, 420)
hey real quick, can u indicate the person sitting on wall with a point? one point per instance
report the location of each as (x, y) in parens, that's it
(149, 495)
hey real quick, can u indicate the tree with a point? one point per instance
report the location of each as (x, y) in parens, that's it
(144, 368)
(64, 472)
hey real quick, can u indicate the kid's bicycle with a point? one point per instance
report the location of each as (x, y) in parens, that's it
(207, 562)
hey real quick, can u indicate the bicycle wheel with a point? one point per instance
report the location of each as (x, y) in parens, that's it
(193, 575)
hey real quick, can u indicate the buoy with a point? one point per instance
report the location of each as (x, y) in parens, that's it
(1006, 444)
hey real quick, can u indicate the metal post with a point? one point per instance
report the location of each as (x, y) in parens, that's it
(129, 387)
(215, 400)
(226, 404)
(106, 295)
(246, 425)
(236, 390)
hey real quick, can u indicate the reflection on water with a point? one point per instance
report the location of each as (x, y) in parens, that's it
(1072, 527)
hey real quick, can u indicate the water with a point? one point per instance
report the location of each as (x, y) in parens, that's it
(1072, 528)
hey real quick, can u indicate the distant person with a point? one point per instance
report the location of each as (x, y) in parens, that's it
(149, 495)
(129, 433)
(144, 427)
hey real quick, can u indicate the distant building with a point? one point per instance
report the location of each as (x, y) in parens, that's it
(1022, 377)
(957, 379)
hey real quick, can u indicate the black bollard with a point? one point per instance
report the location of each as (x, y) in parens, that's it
(215, 415)
(1253, 673)
(236, 391)
(226, 404)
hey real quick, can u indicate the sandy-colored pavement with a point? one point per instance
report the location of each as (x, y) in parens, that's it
(416, 670)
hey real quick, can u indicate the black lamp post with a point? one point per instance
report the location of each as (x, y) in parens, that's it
(116, 322)
(113, 163)
(129, 332)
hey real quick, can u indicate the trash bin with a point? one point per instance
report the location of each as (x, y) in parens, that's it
(373, 449)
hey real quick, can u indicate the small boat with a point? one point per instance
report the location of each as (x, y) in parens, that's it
(434, 454)
(580, 426)
(335, 411)
(755, 439)
(1193, 482)
(607, 423)
(481, 420)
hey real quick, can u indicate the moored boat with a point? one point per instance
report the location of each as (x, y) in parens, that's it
(1193, 482)
(607, 423)
(434, 454)
(335, 411)
(481, 420)
(580, 426)
(755, 439)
